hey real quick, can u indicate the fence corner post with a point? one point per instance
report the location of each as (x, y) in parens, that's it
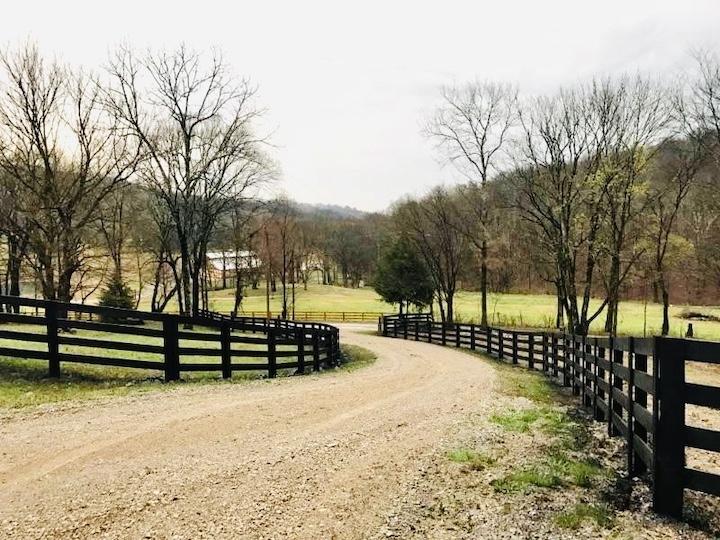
(226, 346)
(51, 323)
(272, 358)
(301, 351)
(172, 348)
(316, 350)
(669, 462)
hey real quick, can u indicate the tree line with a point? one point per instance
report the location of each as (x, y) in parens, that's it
(603, 189)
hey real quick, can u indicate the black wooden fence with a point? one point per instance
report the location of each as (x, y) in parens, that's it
(267, 345)
(637, 386)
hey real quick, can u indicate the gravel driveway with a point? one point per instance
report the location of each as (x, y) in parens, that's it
(304, 457)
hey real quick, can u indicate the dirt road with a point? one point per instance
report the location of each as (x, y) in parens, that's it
(303, 457)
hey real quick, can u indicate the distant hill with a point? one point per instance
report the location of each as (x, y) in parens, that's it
(332, 210)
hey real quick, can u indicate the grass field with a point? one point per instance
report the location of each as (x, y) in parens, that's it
(525, 310)
(25, 383)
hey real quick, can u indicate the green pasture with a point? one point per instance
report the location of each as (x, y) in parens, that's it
(521, 310)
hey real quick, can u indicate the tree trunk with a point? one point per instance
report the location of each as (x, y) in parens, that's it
(483, 284)
(560, 312)
(238, 293)
(613, 296)
(186, 305)
(195, 292)
(15, 254)
(666, 304)
(450, 301)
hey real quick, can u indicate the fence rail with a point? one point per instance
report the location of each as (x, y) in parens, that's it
(327, 316)
(179, 346)
(305, 316)
(637, 386)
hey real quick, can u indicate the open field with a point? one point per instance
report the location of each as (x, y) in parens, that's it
(505, 309)
(427, 442)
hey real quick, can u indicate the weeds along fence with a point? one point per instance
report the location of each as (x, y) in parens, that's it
(208, 342)
(636, 386)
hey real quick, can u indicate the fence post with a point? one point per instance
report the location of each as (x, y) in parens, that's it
(172, 348)
(669, 460)
(488, 333)
(514, 348)
(336, 347)
(578, 389)
(405, 328)
(554, 357)
(316, 350)
(272, 358)
(600, 354)
(544, 352)
(226, 346)
(444, 334)
(589, 379)
(531, 351)
(457, 335)
(567, 355)
(501, 343)
(617, 407)
(472, 337)
(301, 350)
(417, 331)
(51, 324)
(631, 413)
(641, 399)
(592, 349)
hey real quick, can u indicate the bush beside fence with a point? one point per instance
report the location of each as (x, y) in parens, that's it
(637, 386)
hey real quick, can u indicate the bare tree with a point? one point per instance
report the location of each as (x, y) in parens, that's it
(558, 193)
(632, 116)
(195, 122)
(62, 155)
(471, 129)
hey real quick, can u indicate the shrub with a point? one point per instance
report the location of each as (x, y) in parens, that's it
(116, 295)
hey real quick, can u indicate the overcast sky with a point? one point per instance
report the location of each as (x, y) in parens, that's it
(347, 84)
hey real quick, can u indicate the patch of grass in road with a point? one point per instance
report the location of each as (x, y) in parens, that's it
(356, 357)
(552, 472)
(475, 461)
(517, 421)
(566, 432)
(580, 513)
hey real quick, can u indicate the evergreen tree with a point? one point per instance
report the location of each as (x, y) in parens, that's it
(402, 277)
